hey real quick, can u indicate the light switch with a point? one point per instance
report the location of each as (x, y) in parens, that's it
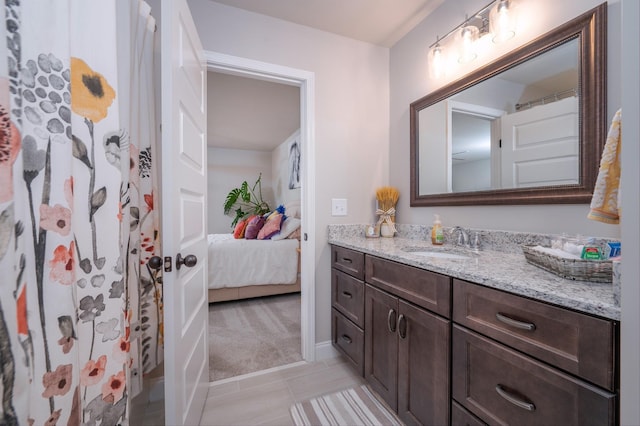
(338, 207)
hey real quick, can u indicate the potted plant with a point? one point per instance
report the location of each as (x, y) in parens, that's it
(246, 201)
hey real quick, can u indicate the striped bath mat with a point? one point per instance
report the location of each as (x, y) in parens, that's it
(356, 406)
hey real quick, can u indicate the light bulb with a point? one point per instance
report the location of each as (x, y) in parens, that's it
(436, 59)
(502, 21)
(467, 38)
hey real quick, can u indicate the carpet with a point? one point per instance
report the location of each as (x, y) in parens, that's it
(253, 334)
(355, 406)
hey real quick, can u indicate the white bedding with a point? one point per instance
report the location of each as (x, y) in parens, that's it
(239, 263)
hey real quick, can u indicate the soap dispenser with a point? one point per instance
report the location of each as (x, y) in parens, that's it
(437, 235)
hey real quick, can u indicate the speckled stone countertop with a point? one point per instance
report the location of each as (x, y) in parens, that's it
(499, 263)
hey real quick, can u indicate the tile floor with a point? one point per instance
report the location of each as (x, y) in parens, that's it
(260, 399)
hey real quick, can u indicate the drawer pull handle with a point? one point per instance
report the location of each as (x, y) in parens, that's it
(529, 326)
(346, 338)
(347, 294)
(391, 321)
(347, 260)
(515, 400)
(402, 326)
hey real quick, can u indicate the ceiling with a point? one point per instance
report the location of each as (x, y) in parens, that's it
(250, 114)
(257, 115)
(380, 22)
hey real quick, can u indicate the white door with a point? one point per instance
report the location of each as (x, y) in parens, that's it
(540, 145)
(184, 199)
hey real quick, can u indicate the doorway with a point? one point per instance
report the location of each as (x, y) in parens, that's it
(243, 67)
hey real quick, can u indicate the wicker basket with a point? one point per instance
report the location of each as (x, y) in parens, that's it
(599, 271)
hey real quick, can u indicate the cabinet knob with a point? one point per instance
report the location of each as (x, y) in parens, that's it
(346, 338)
(516, 400)
(402, 326)
(391, 321)
(522, 325)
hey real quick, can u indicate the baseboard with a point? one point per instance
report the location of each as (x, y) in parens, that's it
(325, 350)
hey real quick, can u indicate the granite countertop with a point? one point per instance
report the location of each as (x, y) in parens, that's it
(508, 271)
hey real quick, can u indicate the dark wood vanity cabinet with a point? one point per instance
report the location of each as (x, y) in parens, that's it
(406, 346)
(525, 362)
(347, 305)
(443, 351)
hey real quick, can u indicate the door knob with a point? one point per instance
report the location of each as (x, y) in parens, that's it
(189, 260)
(155, 262)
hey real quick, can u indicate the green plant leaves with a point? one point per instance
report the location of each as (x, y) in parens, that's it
(245, 201)
(231, 199)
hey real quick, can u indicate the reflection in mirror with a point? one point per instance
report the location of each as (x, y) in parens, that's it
(517, 129)
(525, 129)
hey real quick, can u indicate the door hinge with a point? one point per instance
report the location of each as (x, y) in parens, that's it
(167, 264)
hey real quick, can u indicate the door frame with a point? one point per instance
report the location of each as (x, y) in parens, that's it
(305, 80)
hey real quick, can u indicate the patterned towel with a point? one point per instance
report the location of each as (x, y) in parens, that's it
(605, 204)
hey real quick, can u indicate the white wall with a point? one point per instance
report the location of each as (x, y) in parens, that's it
(227, 169)
(471, 175)
(630, 295)
(351, 114)
(409, 81)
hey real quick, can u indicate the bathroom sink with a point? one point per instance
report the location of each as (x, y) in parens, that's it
(437, 253)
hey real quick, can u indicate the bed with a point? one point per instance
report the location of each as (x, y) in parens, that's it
(240, 268)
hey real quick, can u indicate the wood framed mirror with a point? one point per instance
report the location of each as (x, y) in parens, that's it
(566, 172)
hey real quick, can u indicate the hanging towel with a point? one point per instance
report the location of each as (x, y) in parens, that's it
(605, 204)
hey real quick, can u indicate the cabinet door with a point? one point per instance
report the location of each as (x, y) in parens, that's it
(503, 386)
(381, 344)
(423, 366)
(580, 344)
(347, 296)
(348, 339)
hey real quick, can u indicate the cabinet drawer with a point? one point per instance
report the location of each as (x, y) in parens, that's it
(502, 386)
(577, 343)
(424, 288)
(347, 296)
(348, 339)
(348, 261)
(461, 417)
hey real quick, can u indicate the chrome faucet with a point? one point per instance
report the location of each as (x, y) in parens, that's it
(462, 238)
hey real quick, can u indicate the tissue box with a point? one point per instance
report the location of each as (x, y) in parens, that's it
(599, 271)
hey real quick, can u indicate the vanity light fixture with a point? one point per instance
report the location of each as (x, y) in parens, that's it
(466, 40)
(496, 20)
(436, 59)
(502, 21)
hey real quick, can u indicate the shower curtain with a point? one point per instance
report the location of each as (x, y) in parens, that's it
(80, 310)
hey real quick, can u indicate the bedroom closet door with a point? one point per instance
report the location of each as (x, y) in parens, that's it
(184, 200)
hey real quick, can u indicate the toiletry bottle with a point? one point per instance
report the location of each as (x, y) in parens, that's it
(437, 235)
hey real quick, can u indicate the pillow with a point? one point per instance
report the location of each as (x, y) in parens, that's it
(287, 228)
(292, 208)
(253, 227)
(271, 227)
(240, 228)
(279, 210)
(295, 235)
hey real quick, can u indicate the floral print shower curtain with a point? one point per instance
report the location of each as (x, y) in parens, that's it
(80, 310)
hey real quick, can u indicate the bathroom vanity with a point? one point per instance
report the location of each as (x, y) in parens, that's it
(459, 337)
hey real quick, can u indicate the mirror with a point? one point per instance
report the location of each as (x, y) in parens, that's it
(526, 129)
